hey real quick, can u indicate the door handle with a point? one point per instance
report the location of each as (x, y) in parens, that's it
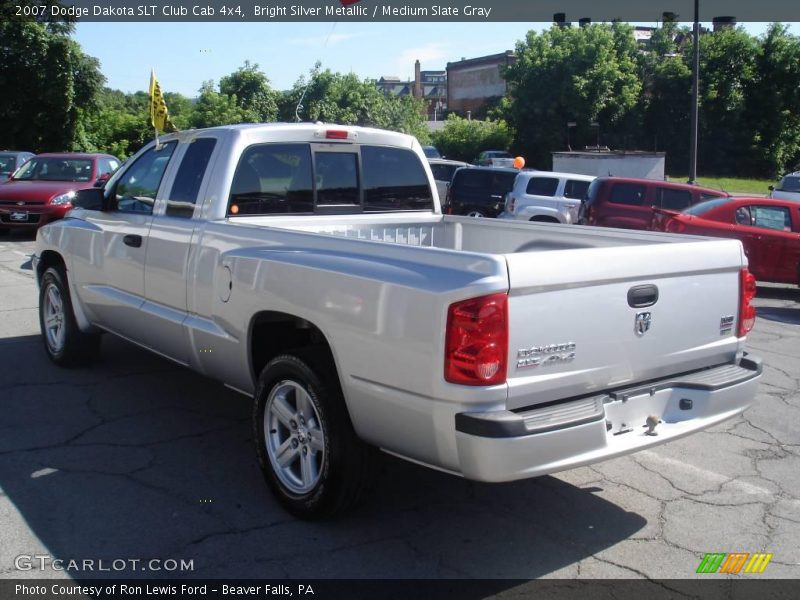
(640, 296)
(134, 241)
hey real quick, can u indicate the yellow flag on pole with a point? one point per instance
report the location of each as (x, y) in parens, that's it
(159, 117)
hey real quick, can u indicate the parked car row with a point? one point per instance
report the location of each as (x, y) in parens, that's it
(40, 188)
(769, 228)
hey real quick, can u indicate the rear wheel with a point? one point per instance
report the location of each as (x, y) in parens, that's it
(64, 342)
(475, 213)
(307, 449)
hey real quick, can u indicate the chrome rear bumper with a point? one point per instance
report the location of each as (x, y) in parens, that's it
(506, 445)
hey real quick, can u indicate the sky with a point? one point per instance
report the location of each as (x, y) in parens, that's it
(184, 55)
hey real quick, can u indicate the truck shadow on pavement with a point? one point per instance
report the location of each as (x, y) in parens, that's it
(779, 314)
(778, 293)
(136, 458)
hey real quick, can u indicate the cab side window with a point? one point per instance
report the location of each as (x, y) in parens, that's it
(190, 174)
(136, 190)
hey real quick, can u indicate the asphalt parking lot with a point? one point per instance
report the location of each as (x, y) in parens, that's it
(137, 458)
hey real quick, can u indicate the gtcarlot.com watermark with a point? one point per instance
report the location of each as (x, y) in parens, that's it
(45, 562)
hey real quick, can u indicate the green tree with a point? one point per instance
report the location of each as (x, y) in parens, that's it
(213, 108)
(49, 85)
(462, 139)
(666, 119)
(343, 98)
(773, 103)
(252, 93)
(582, 75)
(728, 64)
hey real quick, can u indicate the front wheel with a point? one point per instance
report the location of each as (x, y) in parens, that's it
(475, 213)
(65, 344)
(307, 449)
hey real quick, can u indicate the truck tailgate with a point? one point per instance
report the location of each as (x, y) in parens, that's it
(583, 321)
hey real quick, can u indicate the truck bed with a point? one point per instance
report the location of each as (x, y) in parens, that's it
(465, 234)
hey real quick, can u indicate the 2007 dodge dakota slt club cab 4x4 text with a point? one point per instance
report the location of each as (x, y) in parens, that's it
(315, 263)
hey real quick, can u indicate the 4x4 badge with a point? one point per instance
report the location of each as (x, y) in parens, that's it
(643, 320)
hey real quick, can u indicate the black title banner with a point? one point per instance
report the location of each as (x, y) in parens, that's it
(398, 10)
(403, 589)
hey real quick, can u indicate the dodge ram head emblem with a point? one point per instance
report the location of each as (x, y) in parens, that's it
(643, 320)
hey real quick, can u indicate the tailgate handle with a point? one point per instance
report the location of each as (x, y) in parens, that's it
(640, 296)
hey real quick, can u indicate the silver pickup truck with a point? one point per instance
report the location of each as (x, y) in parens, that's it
(310, 267)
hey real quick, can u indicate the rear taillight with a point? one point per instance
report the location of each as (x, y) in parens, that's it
(476, 341)
(747, 312)
(674, 226)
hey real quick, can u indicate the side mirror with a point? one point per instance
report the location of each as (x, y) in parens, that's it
(88, 199)
(101, 181)
(771, 188)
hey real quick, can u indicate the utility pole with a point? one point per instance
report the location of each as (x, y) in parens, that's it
(695, 90)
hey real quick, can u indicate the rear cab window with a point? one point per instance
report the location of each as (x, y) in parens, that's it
(278, 178)
(394, 179)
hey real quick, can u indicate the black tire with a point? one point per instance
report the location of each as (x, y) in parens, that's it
(344, 462)
(71, 347)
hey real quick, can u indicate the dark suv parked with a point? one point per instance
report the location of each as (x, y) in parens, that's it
(479, 191)
(628, 203)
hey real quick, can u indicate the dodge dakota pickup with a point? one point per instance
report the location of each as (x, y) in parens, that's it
(309, 266)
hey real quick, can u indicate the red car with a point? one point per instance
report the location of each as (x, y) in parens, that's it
(630, 203)
(42, 189)
(768, 228)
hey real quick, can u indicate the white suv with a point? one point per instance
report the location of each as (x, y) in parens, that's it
(546, 196)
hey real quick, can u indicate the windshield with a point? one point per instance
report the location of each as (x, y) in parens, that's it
(703, 207)
(790, 183)
(55, 169)
(431, 152)
(7, 164)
